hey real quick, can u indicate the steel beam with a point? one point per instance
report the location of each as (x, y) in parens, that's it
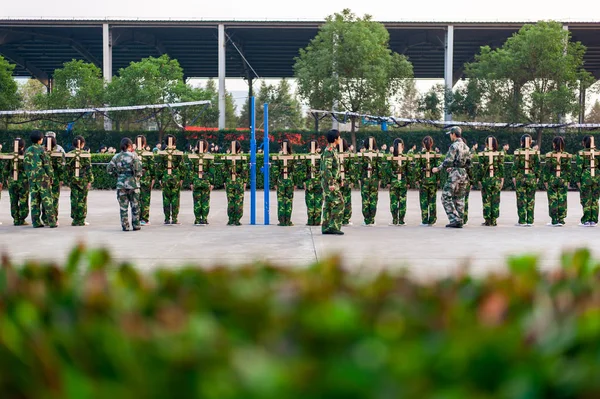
(448, 64)
(122, 36)
(222, 74)
(35, 72)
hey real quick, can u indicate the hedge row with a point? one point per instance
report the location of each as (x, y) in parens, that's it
(300, 139)
(95, 329)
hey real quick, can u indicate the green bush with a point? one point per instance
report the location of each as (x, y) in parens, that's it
(95, 329)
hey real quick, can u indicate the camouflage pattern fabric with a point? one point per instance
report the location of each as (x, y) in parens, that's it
(466, 210)
(38, 168)
(201, 187)
(525, 185)
(525, 191)
(18, 192)
(148, 176)
(458, 161)
(170, 183)
(557, 186)
(351, 178)
(589, 190)
(334, 202)
(428, 200)
(313, 197)
(58, 166)
(346, 191)
(79, 186)
(171, 193)
(398, 190)
(285, 200)
(235, 202)
(491, 186)
(369, 190)
(127, 168)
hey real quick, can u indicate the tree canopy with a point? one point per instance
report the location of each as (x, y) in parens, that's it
(9, 96)
(284, 108)
(350, 63)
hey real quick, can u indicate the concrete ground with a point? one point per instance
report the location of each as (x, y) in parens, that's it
(424, 251)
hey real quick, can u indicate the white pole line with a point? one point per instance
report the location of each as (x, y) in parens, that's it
(103, 109)
(394, 119)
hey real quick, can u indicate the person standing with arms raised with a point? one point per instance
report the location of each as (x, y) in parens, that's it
(457, 163)
(333, 208)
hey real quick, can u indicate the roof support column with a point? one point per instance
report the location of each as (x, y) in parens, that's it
(448, 62)
(107, 64)
(221, 55)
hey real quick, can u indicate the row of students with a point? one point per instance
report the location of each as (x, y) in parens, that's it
(73, 168)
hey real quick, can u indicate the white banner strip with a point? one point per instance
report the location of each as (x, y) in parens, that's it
(103, 109)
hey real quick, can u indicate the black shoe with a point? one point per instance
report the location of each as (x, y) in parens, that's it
(37, 226)
(327, 232)
(455, 225)
(337, 232)
(125, 228)
(137, 228)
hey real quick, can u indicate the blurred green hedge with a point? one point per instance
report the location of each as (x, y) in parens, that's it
(94, 329)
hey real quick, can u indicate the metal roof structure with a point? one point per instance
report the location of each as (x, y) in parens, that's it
(39, 46)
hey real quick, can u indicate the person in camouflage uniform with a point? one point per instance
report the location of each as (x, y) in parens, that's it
(347, 162)
(201, 186)
(18, 190)
(556, 173)
(330, 180)
(313, 191)
(457, 163)
(491, 172)
(38, 168)
(472, 178)
(147, 179)
(587, 177)
(235, 185)
(397, 175)
(171, 178)
(427, 184)
(284, 183)
(526, 173)
(127, 167)
(57, 159)
(79, 185)
(370, 174)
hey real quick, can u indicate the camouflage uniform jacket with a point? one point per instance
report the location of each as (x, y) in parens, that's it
(366, 163)
(583, 166)
(37, 165)
(57, 159)
(127, 168)
(550, 167)
(485, 165)
(330, 167)
(393, 169)
(208, 171)
(7, 175)
(519, 164)
(85, 169)
(161, 163)
(240, 168)
(148, 167)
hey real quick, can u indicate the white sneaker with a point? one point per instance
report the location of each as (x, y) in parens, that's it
(392, 224)
(521, 225)
(424, 225)
(84, 223)
(529, 225)
(592, 224)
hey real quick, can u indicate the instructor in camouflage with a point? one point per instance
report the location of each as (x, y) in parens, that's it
(38, 169)
(330, 180)
(456, 163)
(127, 168)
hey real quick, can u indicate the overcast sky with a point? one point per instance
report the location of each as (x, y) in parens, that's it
(431, 10)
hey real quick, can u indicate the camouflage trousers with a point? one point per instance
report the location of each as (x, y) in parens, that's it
(453, 195)
(201, 197)
(145, 195)
(41, 200)
(285, 200)
(129, 198)
(55, 201)
(79, 194)
(369, 191)
(313, 197)
(19, 201)
(171, 193)
(557, 199)
(235, 202)
(525, 190)
(333, 209)
(466, 212)
(490, 197)
(428, 202)
(398, 201)
(347, 195)
(588, 196)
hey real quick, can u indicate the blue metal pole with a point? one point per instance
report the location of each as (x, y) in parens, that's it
(266, 163)
(252, 162)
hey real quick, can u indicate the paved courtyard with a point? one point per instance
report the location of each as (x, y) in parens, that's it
(424, 251)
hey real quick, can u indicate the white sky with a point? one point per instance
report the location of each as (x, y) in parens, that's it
(432, 10)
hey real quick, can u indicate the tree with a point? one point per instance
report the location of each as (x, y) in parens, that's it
(203, 115)
(30, 92)
(9, 96)
(149, 81)
(594, 115)
(284, 109)
(431, 103)
(534, 77)
(350, 62)
(231, 120)
(408, 106)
